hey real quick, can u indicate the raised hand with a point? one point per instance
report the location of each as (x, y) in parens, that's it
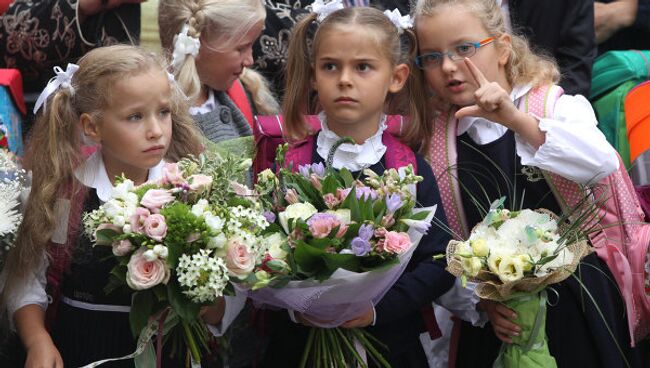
(493, 103)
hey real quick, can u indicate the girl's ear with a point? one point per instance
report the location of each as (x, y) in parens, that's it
(90, 128)
(399, 78)
(505, 47)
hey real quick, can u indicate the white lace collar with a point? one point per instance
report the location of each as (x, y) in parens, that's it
(93, 175)
(208, 106)
(354, 157)
(483, 131)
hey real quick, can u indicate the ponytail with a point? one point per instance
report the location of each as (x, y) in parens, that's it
(297, 86)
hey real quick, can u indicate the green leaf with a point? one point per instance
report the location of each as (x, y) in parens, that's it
(346, 175)
(419, 215)
(141, 309)
(106, 235)
(330, 184)
(308, 258)
(185, 308)
(348, 262)
(548, 259)
(352, 203)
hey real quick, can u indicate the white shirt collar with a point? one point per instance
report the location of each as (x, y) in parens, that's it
(353, 157)
(93, 175)
(483, 131)
(206, 107)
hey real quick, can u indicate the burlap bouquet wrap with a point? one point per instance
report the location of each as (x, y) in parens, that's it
(489, 286)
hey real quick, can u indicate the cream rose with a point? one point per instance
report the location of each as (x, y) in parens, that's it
(472, 265)
(142, 274)
(480, 248)
(154, 199)
(511, 269)
(155, 227)
(301, 211)
(200, 183)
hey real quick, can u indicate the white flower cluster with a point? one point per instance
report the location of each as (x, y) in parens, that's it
(122, 204)
(12, 179)
(513, 245)
(203, 276)
(245, 223)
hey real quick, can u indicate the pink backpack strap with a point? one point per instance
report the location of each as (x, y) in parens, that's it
(623, 239)
(443, 157)
(397, 153)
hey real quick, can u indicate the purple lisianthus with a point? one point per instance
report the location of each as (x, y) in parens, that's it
(366, 193)
(269, 216)
(393, 202)
(304, 170)
(318, 169)
(366, 231)
(360, 247)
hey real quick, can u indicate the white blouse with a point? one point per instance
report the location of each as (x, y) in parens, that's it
(574, 148)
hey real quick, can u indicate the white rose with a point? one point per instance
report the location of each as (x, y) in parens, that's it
(301, 211)
(274, 242)
(199, 208)
(344, 215)
(122, 190)
(215, 223)
(113, 208)
(161, 251)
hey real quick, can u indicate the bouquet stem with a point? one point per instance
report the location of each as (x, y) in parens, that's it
(335, 348)
(191, 344)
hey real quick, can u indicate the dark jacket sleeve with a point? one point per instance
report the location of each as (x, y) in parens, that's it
(424, 278)
(564, 30)
(38, 35)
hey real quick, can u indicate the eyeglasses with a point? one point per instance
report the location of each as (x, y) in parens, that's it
(434, 59)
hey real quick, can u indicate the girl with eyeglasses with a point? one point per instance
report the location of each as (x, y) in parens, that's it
(500, 119)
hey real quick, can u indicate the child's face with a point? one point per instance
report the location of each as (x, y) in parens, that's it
(220, 69)
(450, 27)
(135, 129)
(353, 75)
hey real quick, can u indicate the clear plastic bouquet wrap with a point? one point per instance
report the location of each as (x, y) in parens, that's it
(335, 245)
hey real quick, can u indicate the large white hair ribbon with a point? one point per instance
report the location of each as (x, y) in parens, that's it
(401, 22)
(62, 79)
(324, 9)
(184, 45)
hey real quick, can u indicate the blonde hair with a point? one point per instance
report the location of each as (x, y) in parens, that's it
(54, 149)
(230, 20)
(524, 66)
(298, 98)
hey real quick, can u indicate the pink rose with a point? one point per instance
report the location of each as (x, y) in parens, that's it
(142, 274)
(395, 242)
(239, 261)
(122, 247)
(200, 183)
(154, 199)
(155, 227)
(322, 224)
(137, 219)
(171, 174)
(102, 227)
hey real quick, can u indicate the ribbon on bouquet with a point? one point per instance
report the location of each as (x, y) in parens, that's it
(144, 355)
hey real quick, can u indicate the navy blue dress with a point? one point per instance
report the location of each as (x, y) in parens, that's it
(577, 335)
(399, 320)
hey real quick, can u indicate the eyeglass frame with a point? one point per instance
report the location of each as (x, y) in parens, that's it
(452, 54)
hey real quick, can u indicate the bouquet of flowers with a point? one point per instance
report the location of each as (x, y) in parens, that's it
(178, 242)
(12, 183)
(513, 256)
(335, 246)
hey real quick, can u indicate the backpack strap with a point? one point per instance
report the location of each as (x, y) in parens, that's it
(443, 157)
(238, 95)
(622, 239)
(397, 153)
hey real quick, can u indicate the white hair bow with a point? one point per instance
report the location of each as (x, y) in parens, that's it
(184, 45)
(401, 22)
(62, 79)
(324, 9)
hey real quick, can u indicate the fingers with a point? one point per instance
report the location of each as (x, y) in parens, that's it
(501, 318)
(473, 110)
(478, 76)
